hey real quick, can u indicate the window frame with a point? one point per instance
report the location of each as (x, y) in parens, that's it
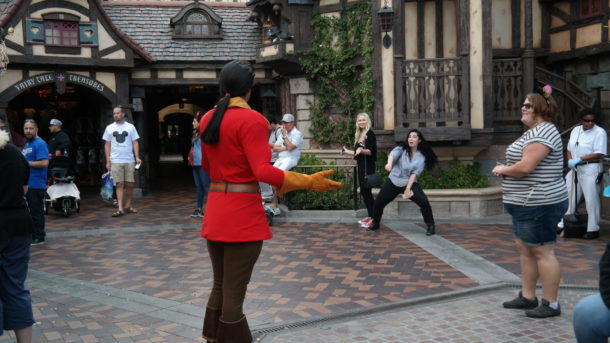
(183, 28)
(48, 32)
(590, 13)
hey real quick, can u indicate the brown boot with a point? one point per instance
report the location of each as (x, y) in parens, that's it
(235, 332)
(210, 324)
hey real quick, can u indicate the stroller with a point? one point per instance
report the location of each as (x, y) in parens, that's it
(63, 193)
(267, 194)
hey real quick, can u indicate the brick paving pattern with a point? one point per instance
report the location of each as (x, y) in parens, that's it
(578, 258)
(145, 278)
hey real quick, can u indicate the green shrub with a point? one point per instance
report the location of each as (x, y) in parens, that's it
(458, 175)
(341, 199)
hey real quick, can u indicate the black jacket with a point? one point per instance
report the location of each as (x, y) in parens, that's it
(370, 143)
(15, 219)
(59, 141)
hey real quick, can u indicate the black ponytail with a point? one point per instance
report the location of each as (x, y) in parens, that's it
(236, 79)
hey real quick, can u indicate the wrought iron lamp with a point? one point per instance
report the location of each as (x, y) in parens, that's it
(386, 19)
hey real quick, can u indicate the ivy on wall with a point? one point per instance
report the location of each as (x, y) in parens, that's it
(339, 70)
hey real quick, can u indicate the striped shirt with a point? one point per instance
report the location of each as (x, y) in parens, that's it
(545, 184)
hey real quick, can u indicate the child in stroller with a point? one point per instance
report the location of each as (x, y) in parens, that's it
(64, 196)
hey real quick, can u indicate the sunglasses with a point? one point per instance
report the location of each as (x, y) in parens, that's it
(527, 106)
(588, 120)
(29, 121)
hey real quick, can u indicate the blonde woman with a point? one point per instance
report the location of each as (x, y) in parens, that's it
(365, 154)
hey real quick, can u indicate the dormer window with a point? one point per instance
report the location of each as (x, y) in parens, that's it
(589, 8)
(197, 21)
(60, 33)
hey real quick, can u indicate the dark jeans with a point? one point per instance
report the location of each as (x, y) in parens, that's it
(15, 298)
(35, 198)
(232, 264)
(389, 192)
(202, 184)
(367, 193)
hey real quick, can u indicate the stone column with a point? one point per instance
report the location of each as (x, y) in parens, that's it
(304, 100)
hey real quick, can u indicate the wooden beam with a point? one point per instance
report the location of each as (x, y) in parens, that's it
(463, 27)
(487, 66)
(439, 23)
(421, 30)
(515, 9)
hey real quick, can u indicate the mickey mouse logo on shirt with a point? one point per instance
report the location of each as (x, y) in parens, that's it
(120, 137)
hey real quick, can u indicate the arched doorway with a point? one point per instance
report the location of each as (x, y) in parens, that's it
(84, 114)
(175, 131)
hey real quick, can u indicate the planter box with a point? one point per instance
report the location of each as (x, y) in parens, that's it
(451, 203)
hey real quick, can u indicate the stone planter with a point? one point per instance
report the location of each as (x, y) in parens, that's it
(451, 203)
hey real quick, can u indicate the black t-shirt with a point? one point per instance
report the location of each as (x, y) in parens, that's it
(14, 174)
(59, 141)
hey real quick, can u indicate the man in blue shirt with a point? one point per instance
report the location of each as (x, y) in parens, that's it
(36, 153)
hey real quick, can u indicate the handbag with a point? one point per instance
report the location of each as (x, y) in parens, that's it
(371, 180)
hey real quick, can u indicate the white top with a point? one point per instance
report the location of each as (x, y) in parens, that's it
(273, 136)
(296, 137)
(545, 184)
(587, 142)
(121, 137)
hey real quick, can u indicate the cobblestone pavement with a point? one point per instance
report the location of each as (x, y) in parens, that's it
(145, 277)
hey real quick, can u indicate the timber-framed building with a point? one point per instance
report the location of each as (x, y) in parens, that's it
(456, 69)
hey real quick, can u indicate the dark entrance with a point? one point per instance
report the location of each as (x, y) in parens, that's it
(84, 114)
(170, 112)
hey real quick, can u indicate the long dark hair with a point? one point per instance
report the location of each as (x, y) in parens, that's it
(196, 135)
(423, 147)
(236, 79)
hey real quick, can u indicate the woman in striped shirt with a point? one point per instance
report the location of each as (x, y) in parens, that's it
(535, 196)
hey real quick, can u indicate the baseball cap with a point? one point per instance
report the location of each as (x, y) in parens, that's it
(55, 122)
(288, 118)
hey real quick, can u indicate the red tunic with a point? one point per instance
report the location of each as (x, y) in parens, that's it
(241, 155)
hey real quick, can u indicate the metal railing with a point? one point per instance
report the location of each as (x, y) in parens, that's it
(341, 199)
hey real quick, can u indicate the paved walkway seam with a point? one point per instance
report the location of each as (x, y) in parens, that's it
(128, 229)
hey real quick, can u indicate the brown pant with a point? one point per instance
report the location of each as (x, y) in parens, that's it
(232, 264)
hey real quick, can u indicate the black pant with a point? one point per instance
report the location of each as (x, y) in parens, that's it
(389, 192)
(367, 193)
(232, 264)
(35, 198)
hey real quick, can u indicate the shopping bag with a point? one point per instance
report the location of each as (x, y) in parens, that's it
(107, 187)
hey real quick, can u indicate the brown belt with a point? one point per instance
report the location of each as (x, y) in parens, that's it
(222, 186)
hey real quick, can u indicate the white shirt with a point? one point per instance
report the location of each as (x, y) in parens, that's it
(121, 137)
(273, 136)
(587, 142)
(295, 137)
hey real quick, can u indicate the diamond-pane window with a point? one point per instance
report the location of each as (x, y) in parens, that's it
(61, 33)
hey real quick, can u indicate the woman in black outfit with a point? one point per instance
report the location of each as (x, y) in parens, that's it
(365, 154)
(15, 239)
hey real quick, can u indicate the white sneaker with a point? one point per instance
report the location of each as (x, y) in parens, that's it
(276, 211)
(365, 220)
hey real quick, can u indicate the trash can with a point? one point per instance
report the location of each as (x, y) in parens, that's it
(605, 203)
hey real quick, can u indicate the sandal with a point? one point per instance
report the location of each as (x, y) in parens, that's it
(118, 214)
(131, 210)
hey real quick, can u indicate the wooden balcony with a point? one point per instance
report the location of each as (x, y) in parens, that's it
(434, 99)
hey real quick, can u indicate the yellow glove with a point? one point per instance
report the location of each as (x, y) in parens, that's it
(316, 182)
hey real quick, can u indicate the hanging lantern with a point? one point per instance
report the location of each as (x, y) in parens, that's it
(386, 20)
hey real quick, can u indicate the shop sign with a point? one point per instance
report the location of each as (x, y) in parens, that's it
(52, 77)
